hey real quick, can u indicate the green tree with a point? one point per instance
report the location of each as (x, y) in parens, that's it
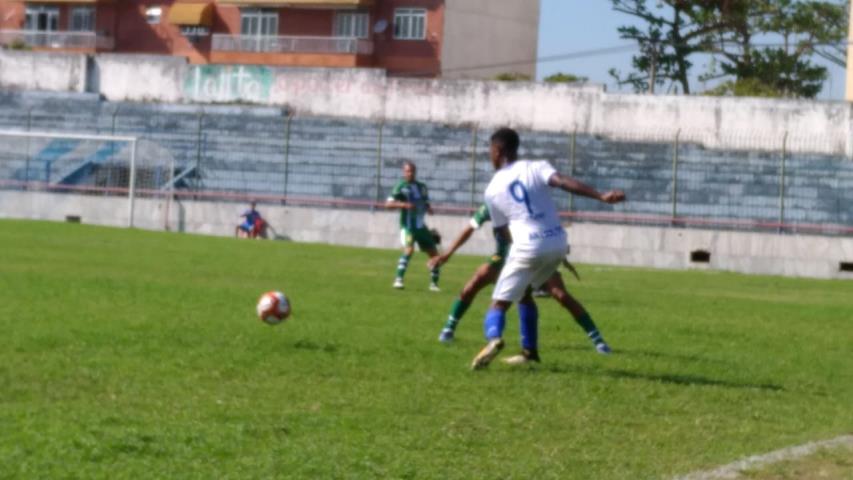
(561, 77)
(675, 31)
(758, 42)
(791, 33)
(17, 44)
(513, 77)
(743, 88)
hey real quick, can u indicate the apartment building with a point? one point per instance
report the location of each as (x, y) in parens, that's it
(430, 38)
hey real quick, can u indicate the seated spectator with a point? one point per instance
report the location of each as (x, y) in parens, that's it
(253, 226)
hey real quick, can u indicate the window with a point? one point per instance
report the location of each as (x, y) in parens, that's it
(82, 19)
(257, 22)
(351, 24)
(153, 14)
(410, 23)
(42, 19)
(259, 29)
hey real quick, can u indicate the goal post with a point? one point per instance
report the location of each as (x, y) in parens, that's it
(108, 165)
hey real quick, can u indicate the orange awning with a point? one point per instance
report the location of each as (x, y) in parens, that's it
(195, 14)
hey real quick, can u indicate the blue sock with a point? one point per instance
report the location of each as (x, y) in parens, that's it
(494, 324)
(528, 316)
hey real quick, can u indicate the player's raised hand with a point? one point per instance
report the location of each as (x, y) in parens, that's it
(613, 196)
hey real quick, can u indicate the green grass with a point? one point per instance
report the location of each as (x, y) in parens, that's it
(131, 354)
(832, 463)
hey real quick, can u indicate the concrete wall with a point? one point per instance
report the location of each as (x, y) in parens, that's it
(489, 32)
(59, 72)
(140, 78)
(820, 127)
(753, 253)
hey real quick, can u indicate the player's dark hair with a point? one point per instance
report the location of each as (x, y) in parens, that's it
(508, 141)
(410, 163)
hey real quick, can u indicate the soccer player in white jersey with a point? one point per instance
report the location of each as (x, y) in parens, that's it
(519, 200)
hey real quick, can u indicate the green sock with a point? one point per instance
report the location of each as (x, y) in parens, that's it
(585, 321)
(434, 274)
(402, 265)
(456, 312)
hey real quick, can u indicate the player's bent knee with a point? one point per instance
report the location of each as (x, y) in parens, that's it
(559, 295)
(502, 305)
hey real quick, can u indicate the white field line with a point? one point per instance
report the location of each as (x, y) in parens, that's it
(733, 470)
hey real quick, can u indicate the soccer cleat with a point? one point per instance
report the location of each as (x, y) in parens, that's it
(446, 336)
(603, 348)
(398, 283)
(526, 356)
(487, 354)
(433, 287)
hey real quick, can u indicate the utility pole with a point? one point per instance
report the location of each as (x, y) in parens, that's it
(849, 87)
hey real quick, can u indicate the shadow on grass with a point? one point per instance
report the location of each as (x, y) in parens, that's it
(671, 378)
(643, 353)
(670, 356)
(315, 347)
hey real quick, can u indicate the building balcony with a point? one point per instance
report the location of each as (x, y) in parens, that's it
(37, 40)
(291, 45)
(301, 3)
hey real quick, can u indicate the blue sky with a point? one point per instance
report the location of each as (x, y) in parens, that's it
(568, 26)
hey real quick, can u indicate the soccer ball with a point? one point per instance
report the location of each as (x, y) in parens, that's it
(273, 308)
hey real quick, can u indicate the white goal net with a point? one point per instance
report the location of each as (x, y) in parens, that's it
(102, 165)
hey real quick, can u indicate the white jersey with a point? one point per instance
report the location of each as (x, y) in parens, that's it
(519, 195)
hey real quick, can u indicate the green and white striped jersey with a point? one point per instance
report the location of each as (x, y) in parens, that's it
(480, 217)
(415, 193)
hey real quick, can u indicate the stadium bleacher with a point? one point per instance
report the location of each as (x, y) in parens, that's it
(260, 151)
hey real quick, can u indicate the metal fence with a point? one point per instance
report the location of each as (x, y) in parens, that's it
(680, 180)
(291, 44)
(33, 38)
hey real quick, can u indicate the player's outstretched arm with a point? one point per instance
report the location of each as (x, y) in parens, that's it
(463, 237)
(572, 185)
(392, 204)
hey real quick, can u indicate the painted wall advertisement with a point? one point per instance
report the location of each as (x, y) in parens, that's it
(227, 83)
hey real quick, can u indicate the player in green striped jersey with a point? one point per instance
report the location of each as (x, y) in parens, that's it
(488, 272)
(411, 197)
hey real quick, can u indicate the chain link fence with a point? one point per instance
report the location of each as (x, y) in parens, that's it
(681, 179)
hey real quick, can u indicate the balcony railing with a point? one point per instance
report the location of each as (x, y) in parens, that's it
(57, 40)
(273, 44)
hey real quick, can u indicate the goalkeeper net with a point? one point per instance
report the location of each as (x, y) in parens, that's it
(86, 164)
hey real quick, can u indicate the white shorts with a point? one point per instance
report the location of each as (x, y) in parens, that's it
(520, 273)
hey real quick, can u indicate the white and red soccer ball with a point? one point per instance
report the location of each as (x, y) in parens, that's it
(273, 308)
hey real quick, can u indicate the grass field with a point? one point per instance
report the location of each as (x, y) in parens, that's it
(836, 463)
(132, 354)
